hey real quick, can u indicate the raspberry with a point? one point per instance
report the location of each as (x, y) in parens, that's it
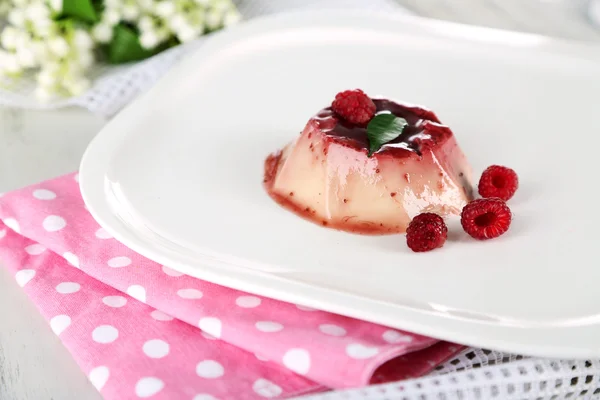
(354, 106)
(486, 218)
(498, 181)
(426, 232)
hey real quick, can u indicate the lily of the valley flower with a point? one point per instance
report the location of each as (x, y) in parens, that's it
(61, 52)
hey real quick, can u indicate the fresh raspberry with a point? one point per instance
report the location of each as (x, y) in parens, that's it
(354, 106)
(486, 218)
(498, 181)
(426, 232)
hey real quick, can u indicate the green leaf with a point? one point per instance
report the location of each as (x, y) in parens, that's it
(125, 46)
(382, 129)
(79, 9)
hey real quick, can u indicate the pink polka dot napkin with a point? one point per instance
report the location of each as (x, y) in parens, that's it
(142, 330)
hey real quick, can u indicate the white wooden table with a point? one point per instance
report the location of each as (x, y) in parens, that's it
(38, 145)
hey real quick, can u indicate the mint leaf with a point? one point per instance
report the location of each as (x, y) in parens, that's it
(125, 46)
(382, 129)
(79, 9)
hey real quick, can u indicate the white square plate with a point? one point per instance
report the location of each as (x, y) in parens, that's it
(177, 176)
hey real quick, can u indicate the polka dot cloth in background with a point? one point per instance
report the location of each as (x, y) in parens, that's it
(143, 330)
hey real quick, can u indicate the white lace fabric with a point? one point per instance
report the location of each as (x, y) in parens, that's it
(473, 374)
(477, 374)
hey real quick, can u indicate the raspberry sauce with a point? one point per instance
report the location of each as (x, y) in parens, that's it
(423, 128)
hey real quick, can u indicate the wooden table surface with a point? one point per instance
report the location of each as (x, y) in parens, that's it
(37, 145)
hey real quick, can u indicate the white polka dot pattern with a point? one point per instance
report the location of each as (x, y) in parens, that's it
(211, 326)
(114, 301)
(160, 316)
(204, 396)
(105, 334)
(248, 301)
(24, 276)
(186, 320)
(267, 389)
(298, 360)
(119, 262)
(12, 224)
(359, 351)
(54, 223)
(209, 369)
(148, 387)
(392, 336)
(171, 272)
(35, 249)
(59, 323)
(99, 376)
(332, 330)
(191, 294)
(156, 348)
(138, 292)
(68, 287)
(268, 326)
(102, 234)
(71, 259)
(44, 194)
(304, 308)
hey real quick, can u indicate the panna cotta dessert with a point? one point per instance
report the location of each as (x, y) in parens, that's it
(369, 165)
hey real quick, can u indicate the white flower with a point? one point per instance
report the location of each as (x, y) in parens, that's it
(37, 12)
(56, 5)
(177, 22)
(221, 6)
(130, 12)
(146, 5)
(72, 69)
(41, 51)
(231, 18)
(44, 27)
(17, 17)
(165, 8)
(59, 46)
(60, 56)
(47, 78)
(187, 33)
(149, 40)
(76, 85)
(146, 23)
(9, 37)
(9, 62)
(20, 3)
(111, 17)
(198, 18)
(113, 3)
(44, 94)
(26, 57)
(85, 59)
(103, 33)
(53, 66)
(82, 40)
(214, 19)
(163, 34)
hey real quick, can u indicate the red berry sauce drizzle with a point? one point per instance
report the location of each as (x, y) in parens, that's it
(423, 129)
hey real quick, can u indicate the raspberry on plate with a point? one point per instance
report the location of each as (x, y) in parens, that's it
(498, 181)
(486, 218)
(354, 106)
(426, 232)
